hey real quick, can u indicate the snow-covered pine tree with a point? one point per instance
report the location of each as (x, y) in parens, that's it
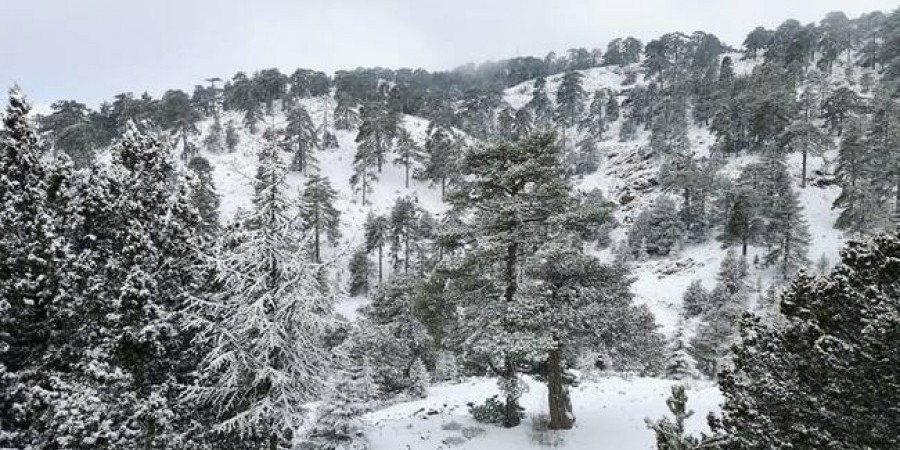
(29, 247)
(678, 365)
(419, 379)
(360, 268)
(408, 152)
(301, 139)
(364, 165)
(594, 123)
(786, 234)
(570, 98)
(829, 365)
(320, 216)
(376, 235)
(570, 301)
(513, 192)
(542, 109)
(695, 180)
(203, 194)
(524, 123)
(377, 131)
(265, 321)
(656, 230)
(670, 435)
(232, 139)
(337, 425)
(695, 300)
(859, 212)
(441, 158)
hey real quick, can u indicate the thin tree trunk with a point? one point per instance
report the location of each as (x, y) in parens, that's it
(803, 170)
(273, 441)
(380, 252)
(406, 253)
(406, 163)
(318, 232)
(560, 404)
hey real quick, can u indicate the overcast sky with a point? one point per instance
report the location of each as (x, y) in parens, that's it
(92, 49)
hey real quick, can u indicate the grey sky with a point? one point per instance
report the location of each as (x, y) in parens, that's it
(92, 49)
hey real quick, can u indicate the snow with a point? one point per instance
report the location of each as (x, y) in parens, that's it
(609, 415)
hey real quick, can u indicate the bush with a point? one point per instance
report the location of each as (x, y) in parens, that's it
(492, 411)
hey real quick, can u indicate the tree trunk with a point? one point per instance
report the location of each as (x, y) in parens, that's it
(406, 253)
(380, 252)
(803, 170)
(318, 232)
(560, 404)
(273, 441)
(407, 171)
(512, 403)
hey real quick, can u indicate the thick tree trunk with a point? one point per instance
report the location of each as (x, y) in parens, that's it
(560, 404)
(273, 441)
(512, 402)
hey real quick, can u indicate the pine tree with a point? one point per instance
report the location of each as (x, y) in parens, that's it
(27, 278)
(828, 365)
(857, 197)
(266, 322)
(337, 426)
(594, 123)
(804, 137)
(408, 153)
(656, 230)
(418, 379)
(377, 131)
(320, 216)
(360, 268)
(376, 229)
(364, 164)
(612, 108)
(524, 123)
(232, 139)
(542, 109)
(670, 434)
(215, 136)
(203, 195)
(301, 139)
(786, 235)
(441, 161)
(695, 180)
(695, 300)
(570, 99)
(678, 366)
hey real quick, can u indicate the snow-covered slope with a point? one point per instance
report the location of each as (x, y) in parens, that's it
(610, 410)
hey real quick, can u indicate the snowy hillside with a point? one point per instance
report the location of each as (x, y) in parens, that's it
(610, 410)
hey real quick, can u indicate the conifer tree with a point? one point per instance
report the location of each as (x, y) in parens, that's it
(523, 124)
(612, 108)
(696, 299)
(365, 162)
(828, 365)
(232, 139)
(408, 153)
(441, 161)
(266, 322)
(786, 234)
(360, 268)
(542, 109)
(570, 99)
(376, 229)
(301, 139)
(377, 131)
(594, 122)
(320, 216)
(203, 195)
(27, 251)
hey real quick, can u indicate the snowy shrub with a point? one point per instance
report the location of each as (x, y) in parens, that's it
(472, 432)
(492, 411)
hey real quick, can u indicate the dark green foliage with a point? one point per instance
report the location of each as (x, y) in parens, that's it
(360, 268)
(696, 299)
(570, 98)
(656, 230)
(203, 195)
(670, 434)
(825, 377)
(319, 214)
(492, 411)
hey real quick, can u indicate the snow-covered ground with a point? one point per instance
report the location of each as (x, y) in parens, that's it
(609, 412)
